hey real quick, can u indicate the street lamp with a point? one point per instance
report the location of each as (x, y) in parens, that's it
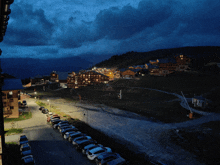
(35, 94)
(49, 103)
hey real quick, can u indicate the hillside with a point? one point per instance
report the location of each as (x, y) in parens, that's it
(201, 55)
(29, 67)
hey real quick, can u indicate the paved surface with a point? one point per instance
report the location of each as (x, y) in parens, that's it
(47, 145)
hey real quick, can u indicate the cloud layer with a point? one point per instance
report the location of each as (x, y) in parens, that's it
(46, 29)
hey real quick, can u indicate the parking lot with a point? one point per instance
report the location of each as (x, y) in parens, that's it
(47, 145)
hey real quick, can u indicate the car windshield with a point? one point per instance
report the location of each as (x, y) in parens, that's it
(98, 152)
(81, 138)
(74, 136)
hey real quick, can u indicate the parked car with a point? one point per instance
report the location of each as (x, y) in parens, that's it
(118, 161)
(41, 108)
(28, 160)
(80, 138)
(107, 157)
(24, 102)
(86, 149)
(54, 121)
(23, 139)
(63, 131)
(67, 134)
(26, 150)
(45, 111)
(80, 144)
(52, 117)
(65, 127)
(92, 154)
(55, 126)
(72, 136)
(24, 145)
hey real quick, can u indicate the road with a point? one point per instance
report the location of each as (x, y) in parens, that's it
(47, 144)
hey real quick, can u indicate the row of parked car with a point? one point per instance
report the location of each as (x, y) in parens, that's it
(26, 153)
(84, 143)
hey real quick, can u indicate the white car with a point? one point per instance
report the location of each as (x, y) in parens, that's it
(80, 138)
(92, 154)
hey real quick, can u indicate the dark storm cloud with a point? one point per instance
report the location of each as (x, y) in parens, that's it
(28, 27)
(122, 23)
(74, 35)
(115, 23)
(203, 18)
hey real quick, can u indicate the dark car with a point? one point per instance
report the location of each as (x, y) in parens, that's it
(28, 160)
(107, 157)
(117, 161)
(72, 136)
(41, 108)
(63, 131)
(23, 139)
(64, 125)
(82, 143)
(26, 150)
(45, 111)
(60, 123)
(89, 147)
(54, 121)
(68, 134)
(74, 141)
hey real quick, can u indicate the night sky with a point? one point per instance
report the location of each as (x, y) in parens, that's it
(64, 28)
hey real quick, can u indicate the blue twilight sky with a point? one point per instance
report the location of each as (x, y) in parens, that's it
(100, 28)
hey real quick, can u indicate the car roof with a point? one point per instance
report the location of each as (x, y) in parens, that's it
(116, 161)
(96, 149)
(89, 146)
(82, 141)
(28, 159)
(108, 154)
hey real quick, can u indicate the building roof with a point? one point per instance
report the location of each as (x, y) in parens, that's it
(12, 84)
